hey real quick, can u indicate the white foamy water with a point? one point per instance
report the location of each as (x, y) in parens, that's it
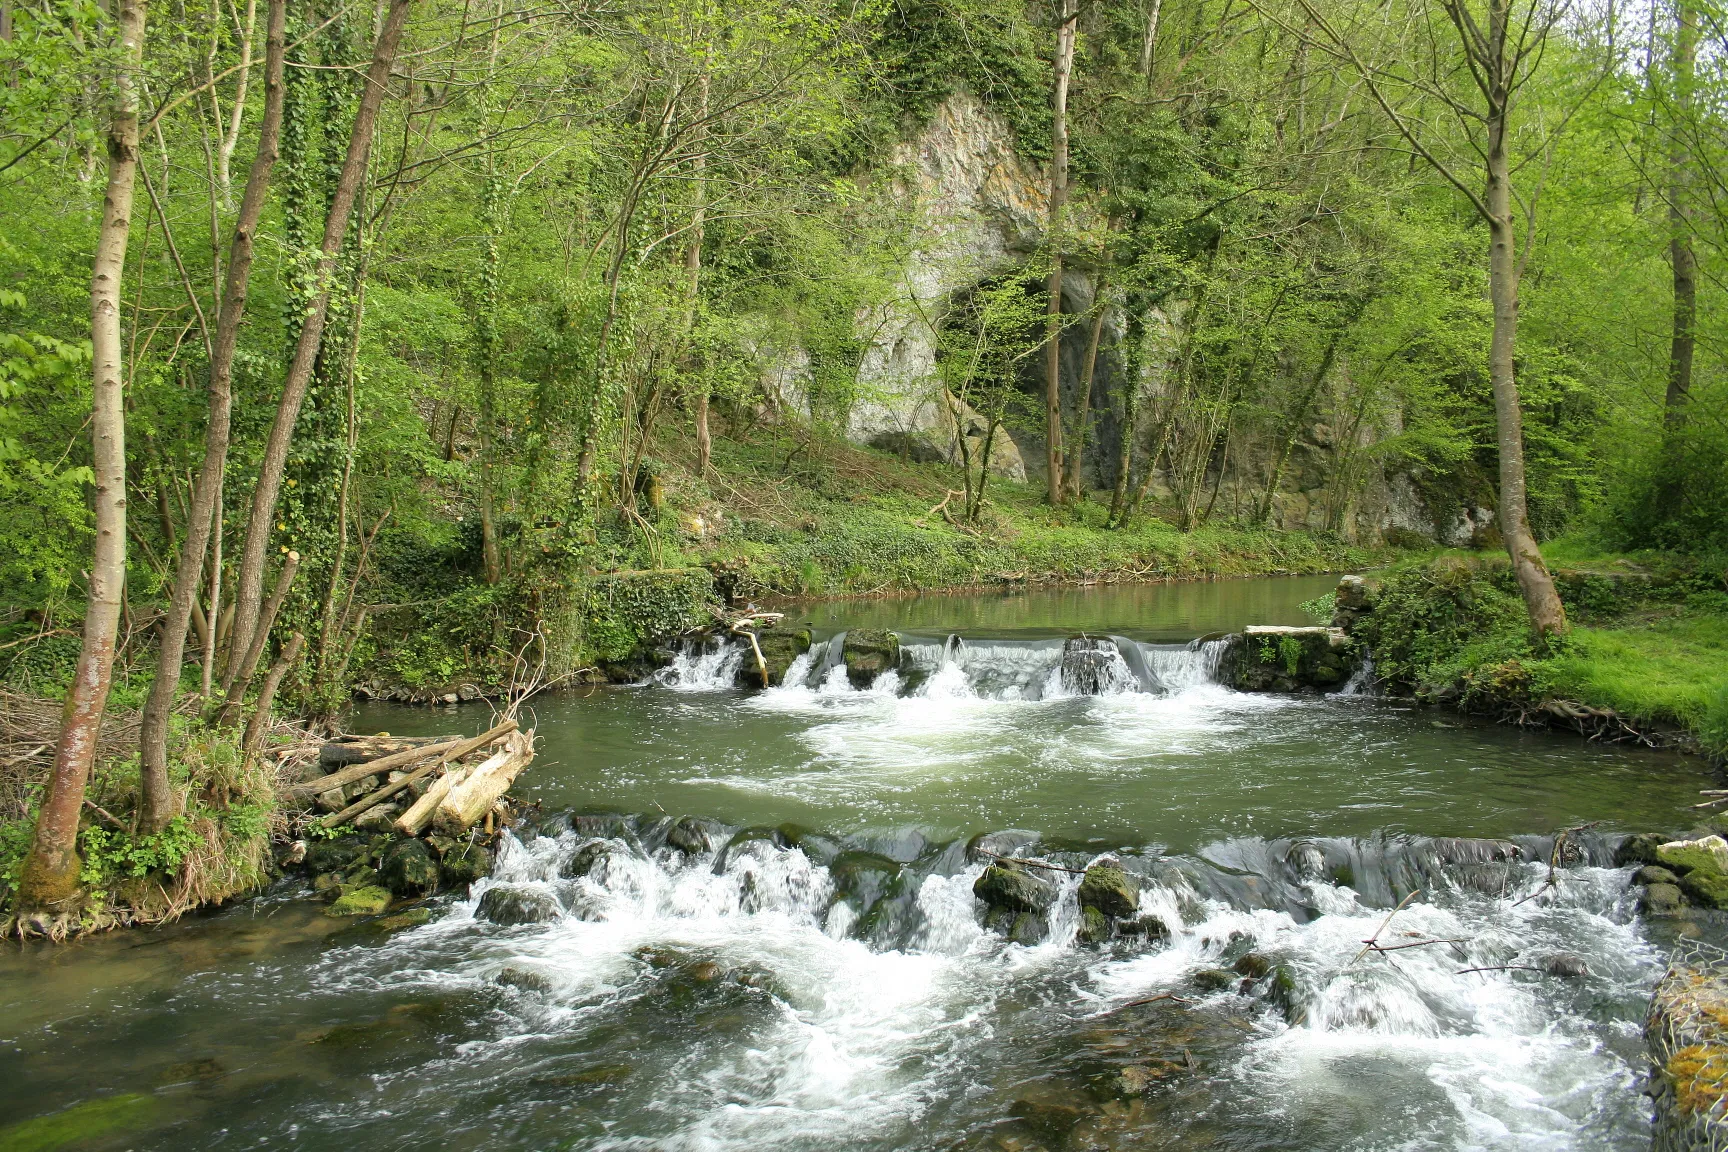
(806, 1031)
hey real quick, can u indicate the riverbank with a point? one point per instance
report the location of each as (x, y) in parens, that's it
(1646, 660)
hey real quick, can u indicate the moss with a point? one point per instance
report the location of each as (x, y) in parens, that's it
(1699, 1073)
(367, 901)
(80, 1123)
(622, 611)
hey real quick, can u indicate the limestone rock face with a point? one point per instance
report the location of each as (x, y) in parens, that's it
(977, 210)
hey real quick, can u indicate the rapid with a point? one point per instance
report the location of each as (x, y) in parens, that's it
(760, 928)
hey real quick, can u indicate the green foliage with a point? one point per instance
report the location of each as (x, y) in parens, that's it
(109, 856)
(622, 611)
(1320, 608)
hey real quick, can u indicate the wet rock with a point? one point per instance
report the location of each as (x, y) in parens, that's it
(1654, 874)
(1254, 966)
(1284, 993)
(102, 1120)
(1087, 664)
(705, 972)
(1094, 926)
(1012, 887)
(689, 837)
(1008, 842)
(1564, 964)
(363, 901)
(868, 653)
(1212, 979)
(1662, 900)
(1639, 849)
(1049, 1109)
(407, 918)
(526, 979)
(409, 868)
(328, 883)
(1019, 927)
(779, 650)
(334, 855)
(743, 839)
(509, 904)
(1278, 659)
(463, 865)
(1111, 891)
(586, 858)
(1151, 927)
(657, 957)
(1307, 859)
(1703, 868)
(1458, 850)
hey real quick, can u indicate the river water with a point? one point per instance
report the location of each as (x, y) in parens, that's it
(802, 964)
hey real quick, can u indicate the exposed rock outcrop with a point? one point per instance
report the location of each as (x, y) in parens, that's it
(1273, 659)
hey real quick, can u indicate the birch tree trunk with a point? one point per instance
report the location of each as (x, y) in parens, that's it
(157, 804)
(51, 869)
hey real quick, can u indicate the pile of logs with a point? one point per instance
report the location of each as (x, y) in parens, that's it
(450, 782)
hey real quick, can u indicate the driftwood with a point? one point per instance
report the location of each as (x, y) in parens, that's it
(371, 768)
(443, 756)
(346, 750)
(473, 796)
(419, 814)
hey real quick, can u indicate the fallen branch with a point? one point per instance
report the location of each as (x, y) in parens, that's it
(474, 796)
(1499, 968)
(1032, 863)
(1369, 945)
(1155, 999)
(455, 752)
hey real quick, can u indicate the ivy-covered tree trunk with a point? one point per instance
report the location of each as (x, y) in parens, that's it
(1058, 202)
(157, 804)
(51, 869)
(1680, 254)
(254, 554)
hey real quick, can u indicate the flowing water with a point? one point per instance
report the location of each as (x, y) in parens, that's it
(803, 966)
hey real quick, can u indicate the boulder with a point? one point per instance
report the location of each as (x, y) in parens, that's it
(1212, 979)
(524, 979)
(868, 653)
(1088, 664)
(689, 837)
(1564, 964)
(363, 901)
(408, 868)
(1702, 866)
(333, 855)
(1639, 849)
(1010, 886)
(779, 650)
(1094, 926)
(509, 904)
(407, 918)
(1654, 874)
(1111, 891)
(463, 864)
(586, 858)
(1662, 900)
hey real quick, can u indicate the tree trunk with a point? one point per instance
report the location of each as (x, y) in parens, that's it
(1058, 201)
(51, 869)
(487, 315)
(156, 807)
(1680, 252)
(1149, 44)
(1547, 614)
(1077, 454)
(249, 590)
(241, 674)
(692, 284)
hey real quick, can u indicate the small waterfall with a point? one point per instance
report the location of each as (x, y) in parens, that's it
(1094, 666)
(705, 664)
(1181, 668)
(1361, 682)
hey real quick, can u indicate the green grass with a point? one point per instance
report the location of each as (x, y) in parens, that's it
(1670, 670)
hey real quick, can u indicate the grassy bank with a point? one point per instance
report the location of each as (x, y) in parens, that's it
(1647, 657)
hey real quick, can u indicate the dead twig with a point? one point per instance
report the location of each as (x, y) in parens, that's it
(1370, 944)
(1032, 863)
(1155, 999)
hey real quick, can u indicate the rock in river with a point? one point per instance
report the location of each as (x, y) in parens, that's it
(515, 904)
(1110, 890)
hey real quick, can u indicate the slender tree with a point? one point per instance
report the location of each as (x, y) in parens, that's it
(1680, 254)
(51, 869)
(1501, 49)
(203, 520)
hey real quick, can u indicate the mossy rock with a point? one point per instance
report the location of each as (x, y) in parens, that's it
(1654, 874)
(779, 650)
(1706, 886)
(510, 904)
(1688, 856)
(407, 918)
(1639, 849)
(868, 653)
(585, 859)
(1111, 891)
(365, 901)
(81, 1124)
(464, 865)
(689, 837)
(409, 868)
(1094, 926)
(334, 855)
(1212, 979)
(1662, 900)
(1010, 886)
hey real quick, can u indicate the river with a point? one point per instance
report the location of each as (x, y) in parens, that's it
(809, 970)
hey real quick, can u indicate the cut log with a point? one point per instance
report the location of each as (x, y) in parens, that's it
(419, 814)
(471, 799)
(446, 751)
(343, 751)
(372, 800)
